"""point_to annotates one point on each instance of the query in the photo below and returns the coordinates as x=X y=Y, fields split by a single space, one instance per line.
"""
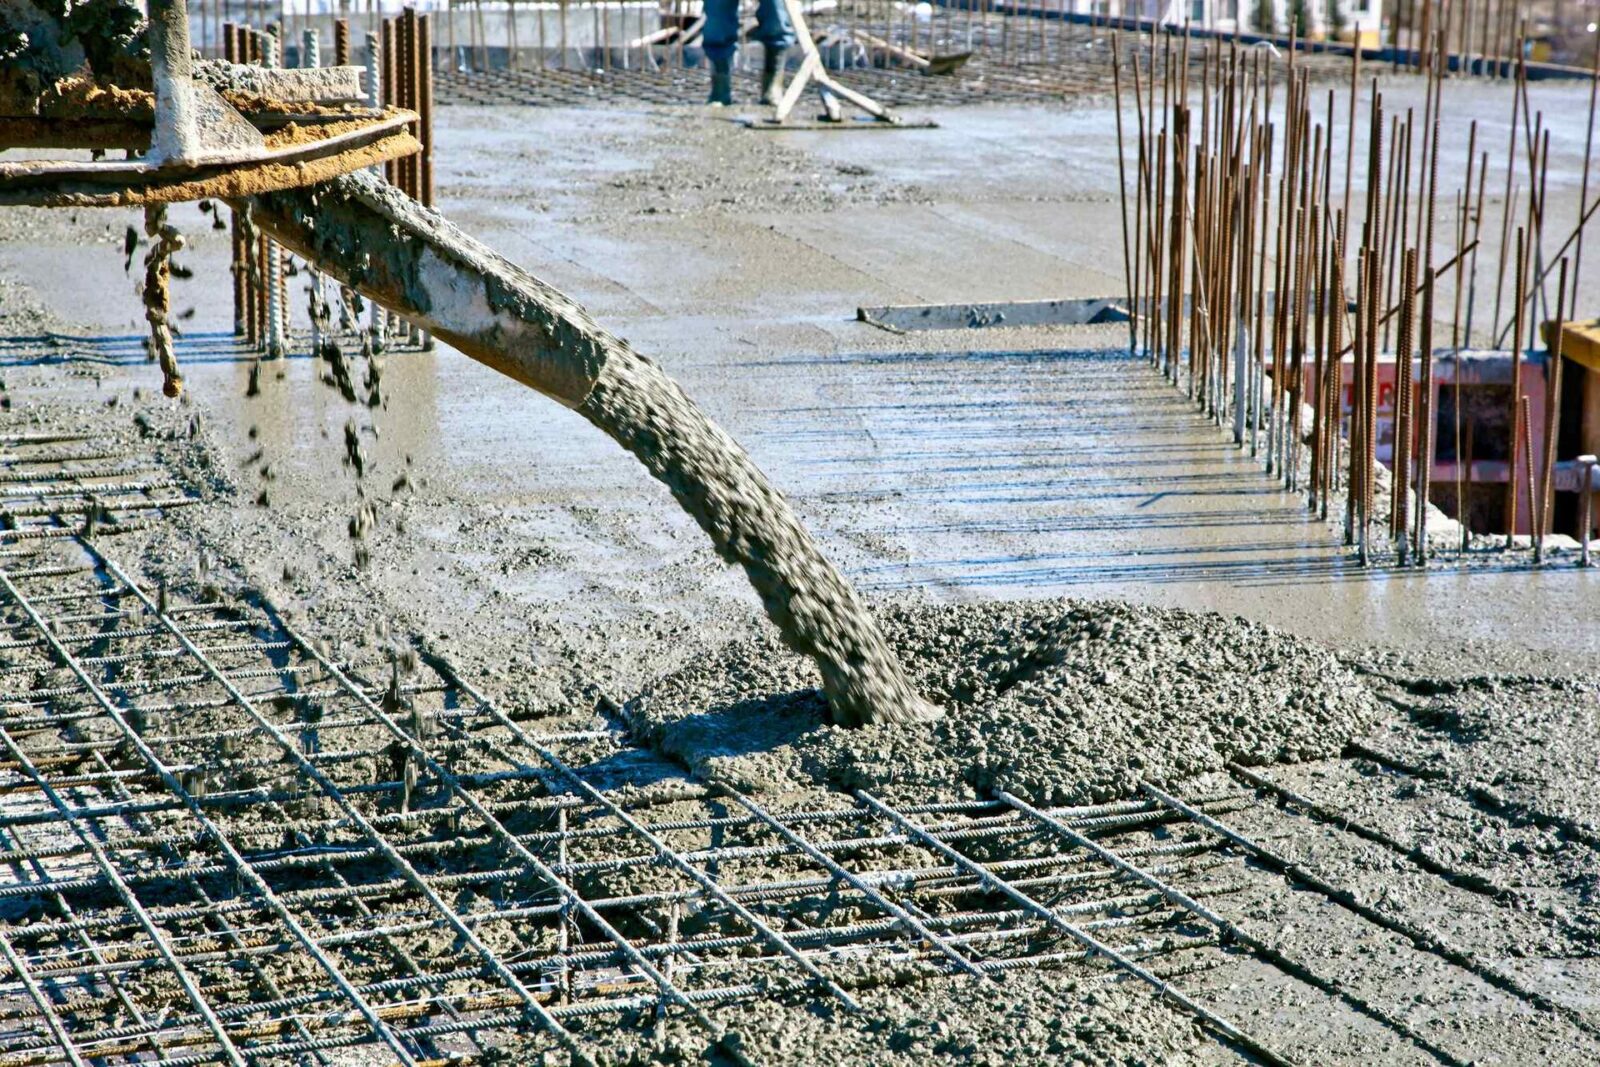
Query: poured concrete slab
x=1030 y=464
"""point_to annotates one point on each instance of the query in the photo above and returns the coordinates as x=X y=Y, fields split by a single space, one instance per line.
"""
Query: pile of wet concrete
x=1061 y=701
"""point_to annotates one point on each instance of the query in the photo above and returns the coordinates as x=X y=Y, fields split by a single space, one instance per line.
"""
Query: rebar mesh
x=222 y=842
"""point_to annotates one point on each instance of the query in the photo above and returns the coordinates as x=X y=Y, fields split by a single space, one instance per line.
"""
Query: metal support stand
x=811 y=69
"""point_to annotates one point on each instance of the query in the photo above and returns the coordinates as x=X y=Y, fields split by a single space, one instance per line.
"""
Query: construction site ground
x=1441 y=904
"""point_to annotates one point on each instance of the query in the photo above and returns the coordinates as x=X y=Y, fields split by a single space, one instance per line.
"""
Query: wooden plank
x=1580 y=342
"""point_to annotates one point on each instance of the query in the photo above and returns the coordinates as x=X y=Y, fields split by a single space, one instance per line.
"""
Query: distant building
x=1340 y=19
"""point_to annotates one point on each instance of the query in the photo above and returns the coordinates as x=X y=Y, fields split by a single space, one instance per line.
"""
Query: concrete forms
x=1485 y=379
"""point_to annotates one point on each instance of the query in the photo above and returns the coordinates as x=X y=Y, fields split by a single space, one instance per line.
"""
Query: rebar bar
x=1425 y=940
x=1090 y=943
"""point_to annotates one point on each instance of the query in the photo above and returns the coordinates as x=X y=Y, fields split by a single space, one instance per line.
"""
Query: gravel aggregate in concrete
x=1063 y=701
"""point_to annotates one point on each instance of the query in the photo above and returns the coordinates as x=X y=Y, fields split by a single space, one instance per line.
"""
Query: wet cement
x=418 y=264
x=713 y=479
x=1015 y=463
x=1049 y=1018
x=1522 y=744
x=552 y=568
x=1063 y=702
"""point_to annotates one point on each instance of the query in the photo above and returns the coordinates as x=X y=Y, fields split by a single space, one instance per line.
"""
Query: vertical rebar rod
x=1141 y=193
x=1526 y=413
x=311 y=57
x=1321 y=426
x=1358 y=386
x=1258 y=368
x=387 y=83
x=1426 y=406
x=1552 y=417
x=1177 y=255
x=1586 y=492
x=1349 y=150
x=263 y=287
x=1305 y=261
x=1122 y=194
x=1241 y=333
x=1537 y=297
x=1457 y=339
x=1505 y=225
x=1516 y=391
x=425 y=106
x=401 y=40
x=1392 y=237
x=1156 y=157
x=230 y=53
x=378 y=91
x=1400 y=461
x=276 y=312
x=1369 y=446
x=1588 y=156
x=1335 y=373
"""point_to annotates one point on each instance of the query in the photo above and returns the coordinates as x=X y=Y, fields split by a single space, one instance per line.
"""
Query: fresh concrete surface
x=999 y=464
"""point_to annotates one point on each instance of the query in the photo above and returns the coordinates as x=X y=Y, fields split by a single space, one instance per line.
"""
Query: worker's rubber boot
x=771 y=75
x=721 y=83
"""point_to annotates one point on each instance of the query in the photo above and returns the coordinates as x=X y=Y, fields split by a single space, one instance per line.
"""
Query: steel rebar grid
x=131 y=902
x=991 y=965
x=403 y=866
x=933 y=881
x=1422 y=939
x=1077 y=933
x=911 y=922
x=978 y=827
x=706 y=882
x=825 y=936
x=170 y=779
x=52 y=1020
x=530 y=861
x=60 y=901
x=61 y=905
x=227 y=932
x=1231 y=931
x=214 y=946
x=13 y=589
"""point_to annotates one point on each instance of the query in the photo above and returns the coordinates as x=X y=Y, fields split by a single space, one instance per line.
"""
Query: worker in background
x=722 y=40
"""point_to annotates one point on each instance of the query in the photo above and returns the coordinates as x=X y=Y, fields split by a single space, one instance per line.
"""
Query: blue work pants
x=721 y=35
